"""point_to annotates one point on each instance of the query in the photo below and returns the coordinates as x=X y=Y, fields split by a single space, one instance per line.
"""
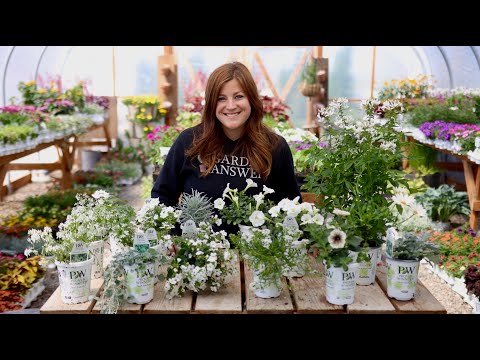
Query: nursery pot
x=245 y=229
x=95 y=249
x=74 y=280
x=140 y=283
x=367 y=270
x=340 y=284
x=160 y=249
x=266 y=288
x=89 y=159
x=402 y=276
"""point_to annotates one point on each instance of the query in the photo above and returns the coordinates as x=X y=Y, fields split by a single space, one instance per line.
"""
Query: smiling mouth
x=231 y=114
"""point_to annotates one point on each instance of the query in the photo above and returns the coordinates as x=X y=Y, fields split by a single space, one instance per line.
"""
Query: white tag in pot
x=140 y=242
x=392 y=236
x=290 y=223
x=189 y=229
x=151 y=236
x=79 y=252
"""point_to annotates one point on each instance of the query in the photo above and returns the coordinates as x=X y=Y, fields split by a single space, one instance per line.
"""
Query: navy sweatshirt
x=180 y=174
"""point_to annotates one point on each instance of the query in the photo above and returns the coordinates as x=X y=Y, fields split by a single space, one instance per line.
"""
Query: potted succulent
x=403 y=265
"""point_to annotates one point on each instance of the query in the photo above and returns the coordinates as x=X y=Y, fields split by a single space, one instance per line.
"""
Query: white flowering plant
x=204 y=262
x=336 y=239
x=409 y=215
x=269 y=252
x=158 y=216
x=91 y=219
x=242 y=208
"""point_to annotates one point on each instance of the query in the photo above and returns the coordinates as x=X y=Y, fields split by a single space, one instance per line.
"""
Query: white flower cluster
x=158 y=216
x=205 y=262
x=413 y=216
x=297 y=134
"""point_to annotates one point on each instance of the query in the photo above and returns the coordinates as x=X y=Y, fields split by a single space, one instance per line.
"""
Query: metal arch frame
x=420 y=58
x=447 y=64
x=5 y=73
x=477 y=57
x=65 y=61
x=40 y=61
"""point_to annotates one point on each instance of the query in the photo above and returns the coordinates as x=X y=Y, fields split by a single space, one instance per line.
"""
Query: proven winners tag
x=151 y=236
x=189 y=230
x=79 y=252
x=392 y=237
x=140 y=242
x=290 y=223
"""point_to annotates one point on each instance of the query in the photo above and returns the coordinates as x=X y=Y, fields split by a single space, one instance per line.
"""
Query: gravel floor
x=12 y=204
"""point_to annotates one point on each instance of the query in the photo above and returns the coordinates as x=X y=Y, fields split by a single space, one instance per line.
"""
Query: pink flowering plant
x=162 y=136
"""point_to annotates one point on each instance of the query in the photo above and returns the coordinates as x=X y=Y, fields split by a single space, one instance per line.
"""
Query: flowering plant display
x=243 y=208
x=274 y=108
x=459 y=248
x=417 y=87
x=195 y=93
x=158 y=216
x=356 y=171
x=102 y=101
x=408 y=214
x=203 y=262
x=188 y=119
x=334 y=239
x=270 y=252
x=163 y=136
x=144 y=108
x=472 y=280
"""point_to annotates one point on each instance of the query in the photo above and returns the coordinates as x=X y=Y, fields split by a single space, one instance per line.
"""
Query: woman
x=230 y=145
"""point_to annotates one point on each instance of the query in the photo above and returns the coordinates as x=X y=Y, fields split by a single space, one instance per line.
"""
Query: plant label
x=392 y=237
x=79 y=252
x=290 y=223
x=151 y=236
x=189 y=230
x=140 y=242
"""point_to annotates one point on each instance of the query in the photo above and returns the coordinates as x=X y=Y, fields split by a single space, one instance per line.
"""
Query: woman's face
x=233 y=109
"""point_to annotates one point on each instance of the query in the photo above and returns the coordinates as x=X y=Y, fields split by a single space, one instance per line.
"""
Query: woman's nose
x=231 y=104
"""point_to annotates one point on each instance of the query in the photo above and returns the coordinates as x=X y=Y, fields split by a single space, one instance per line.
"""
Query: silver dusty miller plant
x=195 y=206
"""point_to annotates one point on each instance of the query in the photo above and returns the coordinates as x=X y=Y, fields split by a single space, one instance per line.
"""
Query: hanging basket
x=310 y=89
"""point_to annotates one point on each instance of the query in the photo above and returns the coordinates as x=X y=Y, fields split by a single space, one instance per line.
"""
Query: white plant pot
x=96 y=250
x=341 y=284
x=402 y=277
x=266 y=289
x=300 y=268
x=367 y=270
x=476 y=306
x=140 y=284
x=164 y=150
x=74 y=280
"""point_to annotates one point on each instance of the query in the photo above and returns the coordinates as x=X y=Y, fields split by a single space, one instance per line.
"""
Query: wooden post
x=167 y=80
x=472 y=180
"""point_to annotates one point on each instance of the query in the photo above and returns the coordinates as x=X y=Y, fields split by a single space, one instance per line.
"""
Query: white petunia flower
x=219 y=204
x=337 y=238
x=257 y=218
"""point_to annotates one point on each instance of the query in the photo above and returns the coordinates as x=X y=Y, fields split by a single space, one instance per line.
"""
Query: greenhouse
x=239 y=179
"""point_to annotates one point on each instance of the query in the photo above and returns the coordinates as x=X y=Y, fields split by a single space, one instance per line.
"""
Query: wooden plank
x=264 y=72
x=55 y=305
x=309 y=292
x=311 y=198
x=161 y=305
x=279 y=305
x=33 y=166
x=423 y=303
x=16 y=184
x=227 y=300
x=370 y=299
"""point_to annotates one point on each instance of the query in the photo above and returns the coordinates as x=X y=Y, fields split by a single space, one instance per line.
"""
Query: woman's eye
x=239 y=96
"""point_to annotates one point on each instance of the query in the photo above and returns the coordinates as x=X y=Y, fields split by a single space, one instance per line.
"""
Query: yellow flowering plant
x=144 y=108
x=405 y=88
